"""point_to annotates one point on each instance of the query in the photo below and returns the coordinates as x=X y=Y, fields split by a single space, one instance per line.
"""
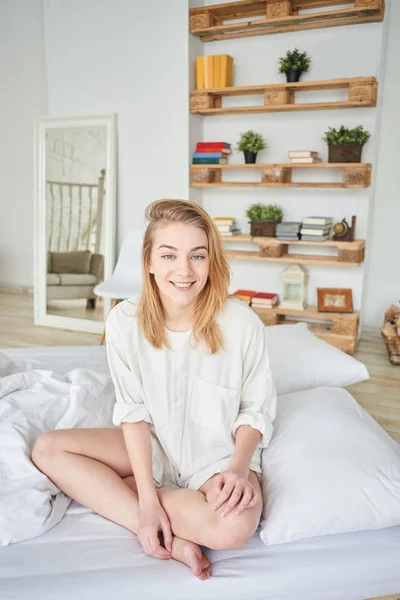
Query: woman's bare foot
x=190 y=554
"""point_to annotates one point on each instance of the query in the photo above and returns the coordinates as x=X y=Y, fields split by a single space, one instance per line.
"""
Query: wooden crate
x=362 y=92
x=355 y=175
x=338 y=329
x=391 y=334
x=350 y=254
x=217 y=22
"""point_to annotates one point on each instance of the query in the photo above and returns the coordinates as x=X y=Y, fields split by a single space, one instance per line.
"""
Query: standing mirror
x=75 y=207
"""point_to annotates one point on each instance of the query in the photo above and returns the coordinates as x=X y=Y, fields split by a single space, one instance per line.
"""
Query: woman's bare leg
x=108 y=489
x=89 y=465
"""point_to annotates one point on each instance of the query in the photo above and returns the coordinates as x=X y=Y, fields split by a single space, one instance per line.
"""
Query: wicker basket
x=344 y=153
x=263 y=228
x=392 y=341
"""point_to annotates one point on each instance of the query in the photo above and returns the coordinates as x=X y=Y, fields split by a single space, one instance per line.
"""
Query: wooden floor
x=380 y=396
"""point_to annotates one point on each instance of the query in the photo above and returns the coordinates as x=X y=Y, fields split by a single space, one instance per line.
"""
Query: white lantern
x=294 y=287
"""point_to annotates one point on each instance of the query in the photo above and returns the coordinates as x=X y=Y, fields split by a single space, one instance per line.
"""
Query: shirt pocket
x=213 y=406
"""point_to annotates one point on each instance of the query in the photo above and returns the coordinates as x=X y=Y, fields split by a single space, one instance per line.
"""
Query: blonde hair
x=211 y=298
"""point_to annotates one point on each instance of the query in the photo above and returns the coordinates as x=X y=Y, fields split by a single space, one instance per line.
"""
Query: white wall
x=23 y=96
x=137 y=60
x=382 y=286
x=129 y=58
x=336 y=52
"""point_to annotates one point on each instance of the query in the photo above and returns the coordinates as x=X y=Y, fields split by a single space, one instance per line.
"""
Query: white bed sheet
x=86 y=557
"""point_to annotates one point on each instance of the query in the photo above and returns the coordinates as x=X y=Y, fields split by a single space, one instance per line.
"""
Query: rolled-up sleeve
x=258 y=395
x=130 y=405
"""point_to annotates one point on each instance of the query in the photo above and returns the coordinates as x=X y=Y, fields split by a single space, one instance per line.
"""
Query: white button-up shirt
x=193 y=401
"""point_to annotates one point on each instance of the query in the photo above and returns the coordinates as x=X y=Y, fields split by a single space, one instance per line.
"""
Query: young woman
x=194 y=403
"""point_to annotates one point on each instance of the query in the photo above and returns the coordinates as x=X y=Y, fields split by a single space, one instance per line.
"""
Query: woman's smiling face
x=180 y=262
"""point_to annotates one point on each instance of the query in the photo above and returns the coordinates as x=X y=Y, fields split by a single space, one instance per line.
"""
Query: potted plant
x=294 y=63
x=263 y=219
x=250 y=144
x=345 y=145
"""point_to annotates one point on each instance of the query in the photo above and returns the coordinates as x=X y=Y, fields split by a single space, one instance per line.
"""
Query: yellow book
x=200 y=72
x=226 y=70
x=208 y=71
x=217 y=71
x=229 y=82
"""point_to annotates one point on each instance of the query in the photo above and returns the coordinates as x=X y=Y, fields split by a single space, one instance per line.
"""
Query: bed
x=85 y=556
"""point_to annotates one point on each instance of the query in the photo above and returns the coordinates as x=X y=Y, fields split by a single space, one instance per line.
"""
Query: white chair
x=126 y=280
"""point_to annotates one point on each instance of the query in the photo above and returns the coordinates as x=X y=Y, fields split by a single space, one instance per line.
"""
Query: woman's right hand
x=152 y=520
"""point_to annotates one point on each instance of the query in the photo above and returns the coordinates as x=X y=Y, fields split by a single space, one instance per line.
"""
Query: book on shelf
x=200 y=72
x=231 y=232
x=245 y=294
x=263 y=305
x=301 y=161
x=224 y=151
x=316 y=232
x=224 y=220
x=314 y=238
x=265 y=297
x=209 y=161
x=311 y=226
x=287 y=237
x=317 y=220
x=303 y=154
x=214 y=71
x=208 y=72
x=225 y=228
x=218 y=145
x=288 y=227
x=208 y=155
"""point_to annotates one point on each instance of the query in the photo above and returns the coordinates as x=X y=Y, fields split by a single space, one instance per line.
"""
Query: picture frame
x=335 y=300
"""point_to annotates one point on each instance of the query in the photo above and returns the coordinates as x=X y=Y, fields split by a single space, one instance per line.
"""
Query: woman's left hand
x=234 y=485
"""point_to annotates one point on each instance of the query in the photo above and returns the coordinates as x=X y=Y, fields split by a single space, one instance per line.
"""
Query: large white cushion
x=330 y=468
x=301 y=361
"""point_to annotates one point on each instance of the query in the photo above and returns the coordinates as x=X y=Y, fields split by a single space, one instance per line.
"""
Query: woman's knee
x=45 y=446
x=232 y=531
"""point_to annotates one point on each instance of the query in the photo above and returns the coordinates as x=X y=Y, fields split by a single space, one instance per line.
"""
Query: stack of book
x=288 y=230
x=226 y=225
x=316 y=229
x=264 y=300
x=214 y=71
x=245 y=295
x=303 y=156
x=211 y=153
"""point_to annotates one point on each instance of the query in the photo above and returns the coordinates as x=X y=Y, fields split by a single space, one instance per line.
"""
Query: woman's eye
x=197 y=256
x=168 y=256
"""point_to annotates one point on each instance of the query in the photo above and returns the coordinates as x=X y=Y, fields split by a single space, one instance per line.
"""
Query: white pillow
x=330 y=468
x=301 y=361
x=7 y=366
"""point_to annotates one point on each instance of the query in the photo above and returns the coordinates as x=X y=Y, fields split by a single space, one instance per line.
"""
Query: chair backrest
x=129 y=263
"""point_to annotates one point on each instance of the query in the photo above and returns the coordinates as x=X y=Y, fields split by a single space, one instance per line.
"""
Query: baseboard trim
x=8 y=288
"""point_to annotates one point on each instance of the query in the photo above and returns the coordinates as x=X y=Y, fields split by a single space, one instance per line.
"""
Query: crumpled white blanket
x=31 y=403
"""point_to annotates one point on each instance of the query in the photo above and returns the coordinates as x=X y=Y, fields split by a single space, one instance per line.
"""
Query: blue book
x=209 y=155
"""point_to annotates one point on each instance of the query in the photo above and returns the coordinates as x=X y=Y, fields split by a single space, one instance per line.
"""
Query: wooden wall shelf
x=281 y=96
x=355 y=175
x=350 y=254
x=211 y=22
x=338 y=329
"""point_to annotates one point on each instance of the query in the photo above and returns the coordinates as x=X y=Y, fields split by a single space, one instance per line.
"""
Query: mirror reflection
x=76 y=159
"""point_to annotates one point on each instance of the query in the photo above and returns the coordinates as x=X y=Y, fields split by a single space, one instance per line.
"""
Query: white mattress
x=86 y=557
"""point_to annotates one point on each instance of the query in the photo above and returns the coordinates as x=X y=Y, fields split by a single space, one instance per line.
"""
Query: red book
x=212 y=145
x=211 y=149
x=264 y=295
x=245 y=294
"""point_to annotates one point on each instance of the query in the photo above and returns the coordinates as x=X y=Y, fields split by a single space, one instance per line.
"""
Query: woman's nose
x=183 y=266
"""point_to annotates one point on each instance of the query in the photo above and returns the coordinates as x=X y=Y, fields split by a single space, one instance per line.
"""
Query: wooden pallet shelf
x=350 y=254
x=278 y=16
x=281 y=96
x=338 y=329
x=355 y=175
